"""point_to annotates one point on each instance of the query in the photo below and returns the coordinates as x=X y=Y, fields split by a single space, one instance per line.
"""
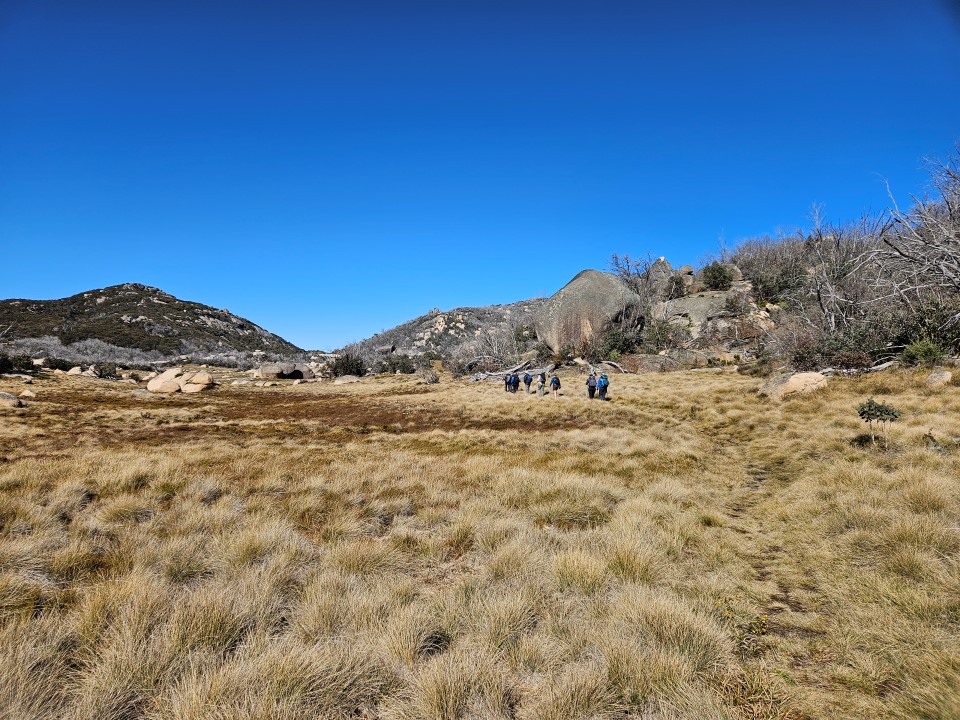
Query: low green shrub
x=717 y=276
x=348 y=364
x=393 y=364
x=922 y=352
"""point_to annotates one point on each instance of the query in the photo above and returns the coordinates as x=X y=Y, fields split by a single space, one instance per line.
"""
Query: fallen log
x=611 y=363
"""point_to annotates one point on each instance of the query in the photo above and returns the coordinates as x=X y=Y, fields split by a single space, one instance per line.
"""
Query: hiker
x=527 y=379
x=555 y=385
x=591 y=384
x=541 y=384
x=602 y=384
x=506 y=382
x=516 y=383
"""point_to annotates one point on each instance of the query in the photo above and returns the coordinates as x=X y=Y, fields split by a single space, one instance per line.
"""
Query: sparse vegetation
x=348 y=363
x=482 y=555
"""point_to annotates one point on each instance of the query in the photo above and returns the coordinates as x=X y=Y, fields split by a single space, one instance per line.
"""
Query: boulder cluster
x=284 y=371
x=176 y=379
x=595 y=302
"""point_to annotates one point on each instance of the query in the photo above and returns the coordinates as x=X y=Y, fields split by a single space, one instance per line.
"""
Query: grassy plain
x=399 y=551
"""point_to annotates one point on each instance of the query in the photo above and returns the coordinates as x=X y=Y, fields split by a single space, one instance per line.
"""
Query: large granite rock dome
x=585 y=307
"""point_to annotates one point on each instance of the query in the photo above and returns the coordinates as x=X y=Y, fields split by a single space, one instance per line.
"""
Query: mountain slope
x=137 y=316
x=455 y=330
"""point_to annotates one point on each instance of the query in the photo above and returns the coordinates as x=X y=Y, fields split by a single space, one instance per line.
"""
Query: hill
x=461 y=331
x=135 y=316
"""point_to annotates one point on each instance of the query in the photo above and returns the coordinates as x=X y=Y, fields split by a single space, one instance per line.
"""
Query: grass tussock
x=688 y=550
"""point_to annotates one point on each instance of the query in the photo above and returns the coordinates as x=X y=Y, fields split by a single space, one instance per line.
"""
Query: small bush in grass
x=348 y=364
x=52 y=363
x=922 y=352
x=879 y=415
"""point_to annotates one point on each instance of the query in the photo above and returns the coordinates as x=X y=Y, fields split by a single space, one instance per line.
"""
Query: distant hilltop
x=133 y=320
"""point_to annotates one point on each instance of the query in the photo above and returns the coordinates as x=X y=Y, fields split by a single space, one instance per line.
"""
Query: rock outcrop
x=939 y=378
x=590 y=304
x=716 y=318
x=782 y=386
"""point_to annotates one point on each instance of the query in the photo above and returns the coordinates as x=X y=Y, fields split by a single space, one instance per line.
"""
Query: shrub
x=348 y=364
x=676 y=288
x=15 y=363
x=717 y=276
x=428 y=376
x=396 y=364
x=851 y=360
x=611 y=344
x=57 y=364
x=663 y=335
x=922 y=352
x=106 y=370
x=874 y=413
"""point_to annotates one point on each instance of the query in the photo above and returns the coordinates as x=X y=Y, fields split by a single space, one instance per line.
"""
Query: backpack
x=555 y=382
x=527 y=379
x=602 y=382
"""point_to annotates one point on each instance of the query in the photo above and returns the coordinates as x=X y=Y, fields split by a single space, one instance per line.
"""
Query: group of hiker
x=596 y=386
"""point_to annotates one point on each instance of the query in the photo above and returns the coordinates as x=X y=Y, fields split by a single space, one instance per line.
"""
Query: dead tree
x=921 y=250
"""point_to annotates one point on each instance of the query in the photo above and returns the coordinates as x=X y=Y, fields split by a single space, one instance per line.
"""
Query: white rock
x=781 y=386
x=345 y=379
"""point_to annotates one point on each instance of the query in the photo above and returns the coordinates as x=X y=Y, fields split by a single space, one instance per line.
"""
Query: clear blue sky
x=330 y=169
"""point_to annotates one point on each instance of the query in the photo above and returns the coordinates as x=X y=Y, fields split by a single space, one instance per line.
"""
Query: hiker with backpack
x=515 y=384
x=591 y=384
x=602 y=385
x=541 y=384
x=555 y=385
x=527 y=379
x=506 y=382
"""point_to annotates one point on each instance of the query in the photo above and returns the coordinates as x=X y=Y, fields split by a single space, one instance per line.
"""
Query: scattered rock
x=782 y=386
x=10 y=401
x=242 y=381
x=939 y=378
x=193 y=387
x=77 y=370
x=164 y=386
x=28 y=394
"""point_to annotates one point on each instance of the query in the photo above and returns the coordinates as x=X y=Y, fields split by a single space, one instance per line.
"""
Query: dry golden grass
x=398 y=551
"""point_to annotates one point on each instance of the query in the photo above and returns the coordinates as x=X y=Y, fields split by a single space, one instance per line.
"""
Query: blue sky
x=329 y=170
